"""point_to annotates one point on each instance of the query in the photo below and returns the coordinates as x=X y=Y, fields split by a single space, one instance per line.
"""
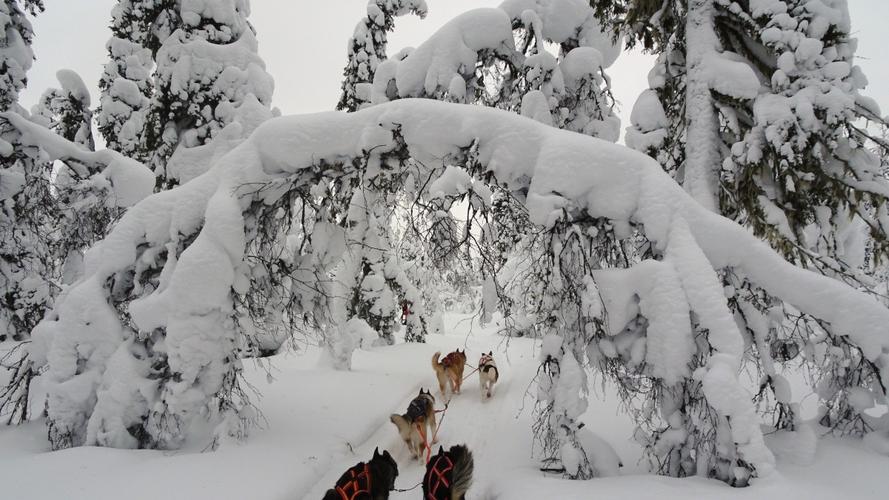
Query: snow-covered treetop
x=66 y=110
x=481 y=45
x=367 y=48
x=16 y=56
x=570 y=23
x=207 y=70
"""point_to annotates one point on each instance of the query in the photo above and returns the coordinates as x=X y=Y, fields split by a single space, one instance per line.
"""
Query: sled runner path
x=472 y=422
x=383 y=436
x=469 y=420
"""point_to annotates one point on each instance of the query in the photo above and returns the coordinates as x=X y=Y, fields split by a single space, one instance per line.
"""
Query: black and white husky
x=487 y=374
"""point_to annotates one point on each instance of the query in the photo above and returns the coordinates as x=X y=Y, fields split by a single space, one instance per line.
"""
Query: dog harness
x=450 y=359
x=485 y=360
x=438 y=475
x=417 y=408
x=354 y=484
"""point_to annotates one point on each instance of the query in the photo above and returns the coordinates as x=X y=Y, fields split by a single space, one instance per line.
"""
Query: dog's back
x=343 y=481
x=418 y=408
x=449 y=474
x=490 y=371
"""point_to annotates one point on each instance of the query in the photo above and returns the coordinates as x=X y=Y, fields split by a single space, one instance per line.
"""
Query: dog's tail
x=436 y=365
x=461 y=478
x=400 y=422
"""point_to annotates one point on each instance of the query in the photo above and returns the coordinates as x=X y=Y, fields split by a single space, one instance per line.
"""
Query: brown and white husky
x=417 y=425
x=487 y=374
x=449 y=370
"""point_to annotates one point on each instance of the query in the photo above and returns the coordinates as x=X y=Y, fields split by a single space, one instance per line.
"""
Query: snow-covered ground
x=320 y=422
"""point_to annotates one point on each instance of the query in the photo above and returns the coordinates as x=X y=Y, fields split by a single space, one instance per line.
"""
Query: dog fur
x=459 y=477
x=382 y=469
x=449 y=371
x=487 y=374
x=418 y=419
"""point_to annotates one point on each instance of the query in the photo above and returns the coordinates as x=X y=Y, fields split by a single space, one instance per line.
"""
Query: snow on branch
x=131 y=181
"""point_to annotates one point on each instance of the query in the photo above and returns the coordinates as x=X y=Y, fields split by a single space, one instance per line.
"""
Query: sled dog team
x=448 y=473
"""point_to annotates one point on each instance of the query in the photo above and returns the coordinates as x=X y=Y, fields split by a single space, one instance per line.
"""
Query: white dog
x=487 y=374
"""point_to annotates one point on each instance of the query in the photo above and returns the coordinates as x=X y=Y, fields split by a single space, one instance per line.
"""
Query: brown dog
x=449 y=370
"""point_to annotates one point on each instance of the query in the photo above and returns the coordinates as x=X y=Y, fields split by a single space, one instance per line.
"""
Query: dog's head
x=461 y=355
x=426 y=394
x=386 y=464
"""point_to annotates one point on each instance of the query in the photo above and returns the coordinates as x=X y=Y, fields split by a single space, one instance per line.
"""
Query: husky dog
x=487 y=374
x=412 y=426
x=448 y=474
x=366 y=481
x=449 y=370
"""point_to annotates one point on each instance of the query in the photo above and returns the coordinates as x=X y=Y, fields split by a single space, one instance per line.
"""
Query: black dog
x=448 y=474
x=366 y=481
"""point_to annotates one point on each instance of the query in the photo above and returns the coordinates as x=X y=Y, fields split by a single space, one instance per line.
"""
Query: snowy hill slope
x=319 y=422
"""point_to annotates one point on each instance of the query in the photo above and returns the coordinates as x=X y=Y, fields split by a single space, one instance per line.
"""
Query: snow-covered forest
x=204 y=296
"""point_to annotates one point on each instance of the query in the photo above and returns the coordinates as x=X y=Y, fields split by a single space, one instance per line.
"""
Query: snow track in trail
x=383 y=436
x=488 y=427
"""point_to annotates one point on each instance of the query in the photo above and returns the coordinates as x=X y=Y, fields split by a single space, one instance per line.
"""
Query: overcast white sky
x=303 y=43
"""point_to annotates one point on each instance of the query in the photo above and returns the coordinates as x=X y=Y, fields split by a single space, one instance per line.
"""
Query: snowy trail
x=322 y=421
x=486 y=427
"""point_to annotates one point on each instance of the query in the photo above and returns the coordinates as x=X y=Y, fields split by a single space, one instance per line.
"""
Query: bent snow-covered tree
x=567 y=177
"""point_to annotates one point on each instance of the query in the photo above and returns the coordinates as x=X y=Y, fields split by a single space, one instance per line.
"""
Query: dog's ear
x=376 y=452
x=490 y=353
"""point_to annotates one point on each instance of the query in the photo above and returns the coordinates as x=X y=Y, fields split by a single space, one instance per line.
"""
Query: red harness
x=439 y=476
x=354 y=484
x=447 y=360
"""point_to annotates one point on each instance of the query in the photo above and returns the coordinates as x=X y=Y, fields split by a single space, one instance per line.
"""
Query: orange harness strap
x=439 y=476
x=421 y=428
x=354 y=484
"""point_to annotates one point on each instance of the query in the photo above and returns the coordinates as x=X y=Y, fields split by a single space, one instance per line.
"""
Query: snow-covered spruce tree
x=24 y=194
x=205 y=69
x=367 y=47
x=152 y=377
x=66 y=110
x=138 y=27
x=367 y=275
x=775 y=85
x=15 y=48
